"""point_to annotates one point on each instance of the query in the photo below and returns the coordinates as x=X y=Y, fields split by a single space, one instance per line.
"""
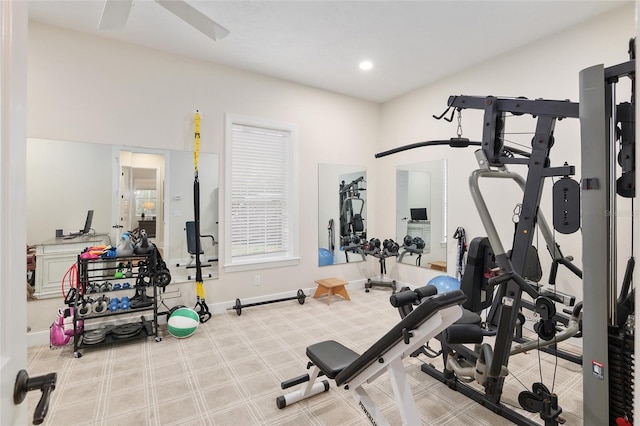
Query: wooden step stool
x=331 y=286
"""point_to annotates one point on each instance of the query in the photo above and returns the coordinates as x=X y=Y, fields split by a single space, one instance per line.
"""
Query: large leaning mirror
x=421 y=214
x=342 y=213
x=81 y=194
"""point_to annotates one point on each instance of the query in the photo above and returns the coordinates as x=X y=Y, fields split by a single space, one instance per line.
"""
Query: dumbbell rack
x=92 y=273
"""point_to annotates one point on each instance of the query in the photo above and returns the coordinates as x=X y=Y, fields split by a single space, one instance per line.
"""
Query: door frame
x=13 y=225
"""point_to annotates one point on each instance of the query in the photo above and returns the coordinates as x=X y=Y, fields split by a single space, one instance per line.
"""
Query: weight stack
x=621 y=371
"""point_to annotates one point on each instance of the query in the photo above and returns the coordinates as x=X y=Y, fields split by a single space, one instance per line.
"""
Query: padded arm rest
x=412 y=321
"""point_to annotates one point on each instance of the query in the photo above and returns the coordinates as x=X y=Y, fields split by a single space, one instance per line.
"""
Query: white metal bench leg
x=307 y=390
x=403 y=394
x=366 y=404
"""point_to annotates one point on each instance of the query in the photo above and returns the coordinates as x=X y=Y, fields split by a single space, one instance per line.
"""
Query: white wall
x=547 y=69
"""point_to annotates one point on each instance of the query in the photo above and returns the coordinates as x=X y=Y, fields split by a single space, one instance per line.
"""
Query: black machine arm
x=453 y=143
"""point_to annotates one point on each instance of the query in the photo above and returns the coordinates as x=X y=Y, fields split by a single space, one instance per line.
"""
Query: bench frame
x=378 y=360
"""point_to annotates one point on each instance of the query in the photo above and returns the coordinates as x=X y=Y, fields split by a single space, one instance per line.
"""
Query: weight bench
x=352 y=370
x=190 y=228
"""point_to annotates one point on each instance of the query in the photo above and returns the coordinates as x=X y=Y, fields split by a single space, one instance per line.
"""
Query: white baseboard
x=37 y=338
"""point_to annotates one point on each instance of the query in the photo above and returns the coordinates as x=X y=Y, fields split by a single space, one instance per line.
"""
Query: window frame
x=261 y=261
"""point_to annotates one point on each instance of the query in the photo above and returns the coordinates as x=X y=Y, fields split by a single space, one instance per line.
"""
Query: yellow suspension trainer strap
x=201 y=307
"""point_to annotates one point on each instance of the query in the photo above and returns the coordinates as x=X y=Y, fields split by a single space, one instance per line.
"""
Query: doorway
x=141 y=186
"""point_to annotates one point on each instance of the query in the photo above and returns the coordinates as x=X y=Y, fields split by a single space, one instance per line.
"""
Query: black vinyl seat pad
x=331 y=357
x=415 y=319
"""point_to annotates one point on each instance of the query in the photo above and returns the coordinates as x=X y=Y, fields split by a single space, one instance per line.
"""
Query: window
x=261 y=210
x=145 y=202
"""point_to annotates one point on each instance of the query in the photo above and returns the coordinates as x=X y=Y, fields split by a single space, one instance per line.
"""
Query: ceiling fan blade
x=195 y=18
x=115 y=14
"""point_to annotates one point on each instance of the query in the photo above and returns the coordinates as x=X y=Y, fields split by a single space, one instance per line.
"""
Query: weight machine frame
x=598 y=125
x=493 y=159
x=350 y=192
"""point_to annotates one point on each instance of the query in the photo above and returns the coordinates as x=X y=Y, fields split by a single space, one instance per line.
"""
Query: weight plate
x=301 y=297
x=238 y=307
x=125 y=331
x=163 y=278
x=92 y=337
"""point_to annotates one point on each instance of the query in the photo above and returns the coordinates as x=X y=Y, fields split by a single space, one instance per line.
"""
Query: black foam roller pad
x=426 y=291
x=403 y=298
x=463 y=333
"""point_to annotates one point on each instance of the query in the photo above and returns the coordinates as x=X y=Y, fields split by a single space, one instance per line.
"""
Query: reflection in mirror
x=179 y=207
x=421 y=214
x=127 y=188
x=141 y=192
x=342 y=212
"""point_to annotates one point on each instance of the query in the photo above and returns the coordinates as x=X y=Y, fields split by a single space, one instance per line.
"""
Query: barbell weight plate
x=163 y=278
x=301 y=297
x=124 y=331
x=238 y=307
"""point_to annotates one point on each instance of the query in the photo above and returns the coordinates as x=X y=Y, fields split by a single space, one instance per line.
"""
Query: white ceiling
x=320 y=43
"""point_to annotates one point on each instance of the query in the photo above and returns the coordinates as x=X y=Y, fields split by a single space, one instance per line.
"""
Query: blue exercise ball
x=324 y=257
x=444 y=283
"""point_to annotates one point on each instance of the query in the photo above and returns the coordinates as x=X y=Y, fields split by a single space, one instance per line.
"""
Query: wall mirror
x=421 y=214
x=342 y=213
x=126 y=188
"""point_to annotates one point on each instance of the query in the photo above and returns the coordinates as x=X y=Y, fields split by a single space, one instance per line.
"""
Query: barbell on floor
x=238 y=306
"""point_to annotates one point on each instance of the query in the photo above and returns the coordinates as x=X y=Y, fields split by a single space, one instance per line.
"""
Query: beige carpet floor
x=229 y=373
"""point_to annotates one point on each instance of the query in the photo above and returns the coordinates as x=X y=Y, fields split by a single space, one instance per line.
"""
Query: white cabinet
x=53 y=260
x=421 y=229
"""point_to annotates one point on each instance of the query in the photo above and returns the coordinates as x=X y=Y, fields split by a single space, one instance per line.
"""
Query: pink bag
x=61 y=330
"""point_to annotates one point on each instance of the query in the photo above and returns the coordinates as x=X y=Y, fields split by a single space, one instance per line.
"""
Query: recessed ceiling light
x=366 y=65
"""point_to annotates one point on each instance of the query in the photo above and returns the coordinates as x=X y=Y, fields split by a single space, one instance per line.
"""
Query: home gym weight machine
x=599 y=117
x=493 y=158
x=353 y=233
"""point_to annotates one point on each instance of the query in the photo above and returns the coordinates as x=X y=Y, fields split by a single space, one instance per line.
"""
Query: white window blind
x=261 y=219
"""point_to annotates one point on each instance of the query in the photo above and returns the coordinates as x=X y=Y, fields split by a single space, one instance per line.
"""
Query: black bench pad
x=331 y=357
